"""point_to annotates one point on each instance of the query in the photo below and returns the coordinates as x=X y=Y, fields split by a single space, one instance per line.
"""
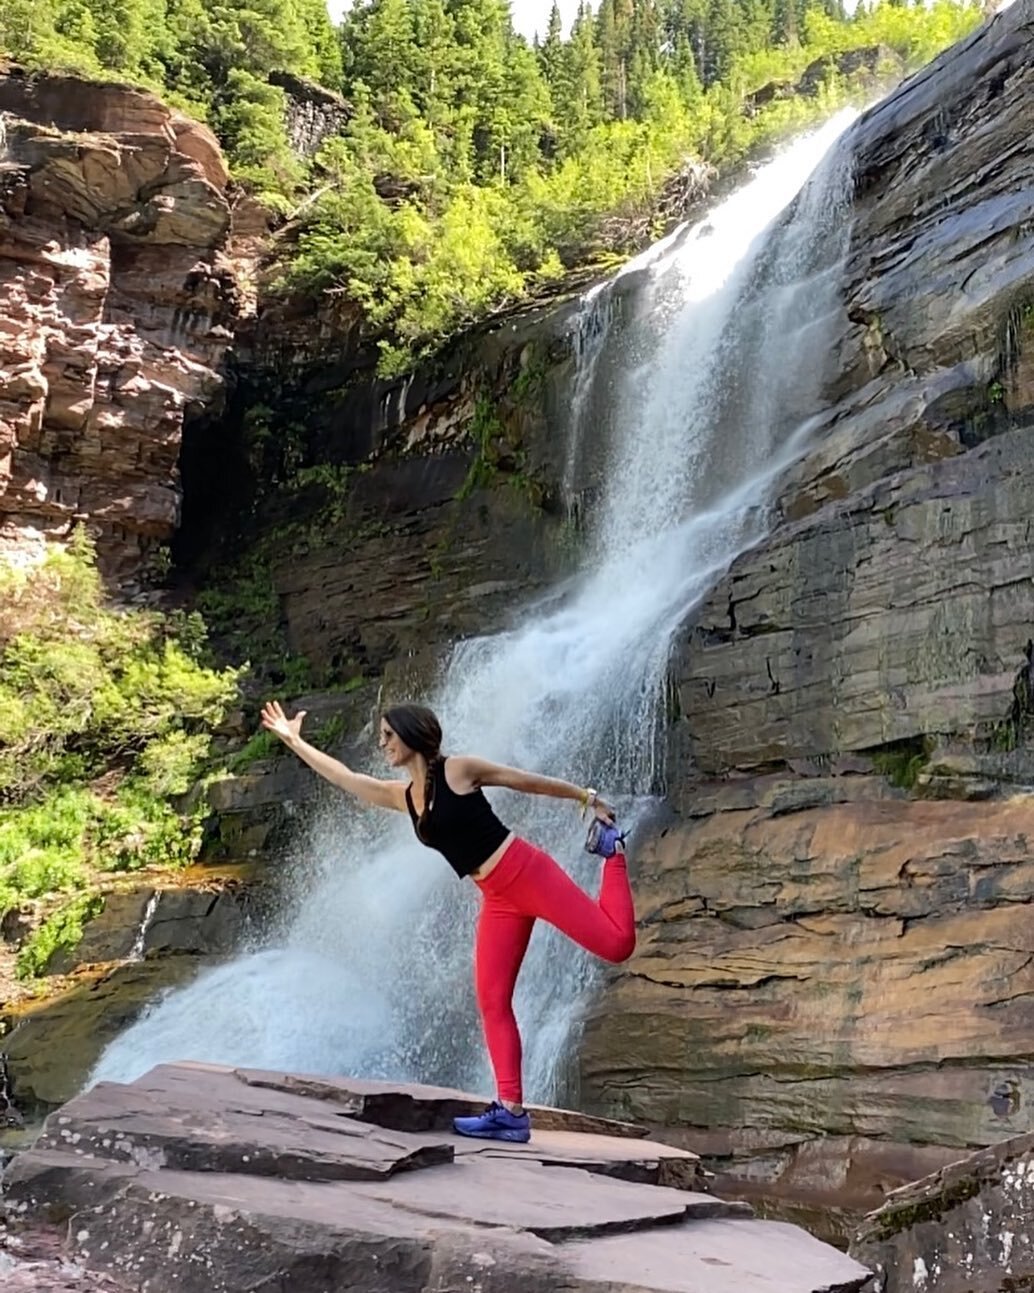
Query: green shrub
x=901 y=767
x=263 y=745
x=106 y=716
x=64 y=929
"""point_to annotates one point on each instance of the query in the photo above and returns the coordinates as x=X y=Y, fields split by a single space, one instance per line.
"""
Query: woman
x=518 y=882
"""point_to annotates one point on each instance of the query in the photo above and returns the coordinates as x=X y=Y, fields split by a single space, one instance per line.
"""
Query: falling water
x=136 y=952
x=594 y=386
x=714 y=391
x=589 y=330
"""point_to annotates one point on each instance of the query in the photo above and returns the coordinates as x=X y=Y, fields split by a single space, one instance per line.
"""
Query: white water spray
x=373 y=975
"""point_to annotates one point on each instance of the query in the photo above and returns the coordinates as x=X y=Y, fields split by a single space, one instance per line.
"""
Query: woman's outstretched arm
x=479 y=772
x=384 y=794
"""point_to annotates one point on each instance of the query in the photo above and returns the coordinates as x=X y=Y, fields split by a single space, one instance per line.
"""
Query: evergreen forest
x=477 y=166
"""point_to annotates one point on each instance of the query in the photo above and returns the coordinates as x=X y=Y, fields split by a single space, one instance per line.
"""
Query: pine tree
x=722 y=40
x=614 y=42
x=186 y=31
x=75 y=24
x=612 y=68
x=755 y=23
x=434 y=46
x=785 y=26
x=383 y=53
x=479 y=74
x=684 y=71
x=639 y=73
x=551 y=59
x=123 y=35
x=693 y=21
x=585 y=108
x=324 y=50
x=25 y=25
x=645 y=34
x=528 y=111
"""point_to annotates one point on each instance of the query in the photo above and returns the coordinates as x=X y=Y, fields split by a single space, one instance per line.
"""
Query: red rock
x=117 y=306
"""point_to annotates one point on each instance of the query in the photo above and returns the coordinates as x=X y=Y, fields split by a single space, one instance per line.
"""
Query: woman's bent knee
x=621 y=949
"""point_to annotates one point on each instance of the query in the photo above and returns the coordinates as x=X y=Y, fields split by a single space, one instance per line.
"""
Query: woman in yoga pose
x=519 y=884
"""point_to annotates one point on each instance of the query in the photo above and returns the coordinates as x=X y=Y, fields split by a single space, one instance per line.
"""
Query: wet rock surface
x=53 y=1046
x=156 y=931
x=902 y=611
x=964 y=1229
x=200 y=1177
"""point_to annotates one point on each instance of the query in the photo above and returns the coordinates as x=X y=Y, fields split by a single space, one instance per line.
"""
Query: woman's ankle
x=513 y=1106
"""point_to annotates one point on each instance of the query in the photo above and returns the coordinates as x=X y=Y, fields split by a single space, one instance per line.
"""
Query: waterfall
x=590 y=328
x=593 y=387
x=712 y=383
x=136 y=952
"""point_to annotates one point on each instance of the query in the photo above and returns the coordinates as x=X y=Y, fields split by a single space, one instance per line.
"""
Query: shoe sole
x=517 y=1137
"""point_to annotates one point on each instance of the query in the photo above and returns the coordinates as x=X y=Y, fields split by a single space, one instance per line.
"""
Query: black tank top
x=463 y=828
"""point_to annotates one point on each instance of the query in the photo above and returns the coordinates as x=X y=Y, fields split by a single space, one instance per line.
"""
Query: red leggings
x=526 y=885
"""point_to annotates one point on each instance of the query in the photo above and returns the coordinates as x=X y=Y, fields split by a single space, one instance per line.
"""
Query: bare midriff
x=492 y=861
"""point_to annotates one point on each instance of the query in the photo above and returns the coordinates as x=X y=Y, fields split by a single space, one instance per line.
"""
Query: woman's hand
x=603 y=810
x=276 y=721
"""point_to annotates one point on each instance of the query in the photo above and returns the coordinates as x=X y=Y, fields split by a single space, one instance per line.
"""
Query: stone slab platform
x=206 y=1179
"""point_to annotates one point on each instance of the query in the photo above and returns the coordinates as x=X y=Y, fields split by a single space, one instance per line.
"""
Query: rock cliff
x=833 y=973
x=117 y=307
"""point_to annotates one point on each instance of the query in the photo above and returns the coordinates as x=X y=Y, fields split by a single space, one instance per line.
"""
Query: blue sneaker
x=496 y=1123
x=603 y=838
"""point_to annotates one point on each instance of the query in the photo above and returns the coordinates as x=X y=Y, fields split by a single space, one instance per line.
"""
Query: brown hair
x=419 y=728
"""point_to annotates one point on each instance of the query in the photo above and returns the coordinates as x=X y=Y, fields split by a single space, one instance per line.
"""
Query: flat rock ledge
x=200 y=1178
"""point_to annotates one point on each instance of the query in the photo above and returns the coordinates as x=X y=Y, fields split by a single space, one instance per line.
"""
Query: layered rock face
x=833 y=974
x=433 y=504
x=831 y=992
x=116 y=309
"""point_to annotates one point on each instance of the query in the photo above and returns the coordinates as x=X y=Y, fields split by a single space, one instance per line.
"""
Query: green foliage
x=137 y=830
x=82 y=685
x=901 y=766
x=263 y=745
x=40 y=847
x=105 y=715
x=62 y=930
x=475 y=166
x=485 y=430
x=508 y=172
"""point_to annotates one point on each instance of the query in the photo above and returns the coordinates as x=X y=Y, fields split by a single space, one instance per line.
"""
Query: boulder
x=964 y=1229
